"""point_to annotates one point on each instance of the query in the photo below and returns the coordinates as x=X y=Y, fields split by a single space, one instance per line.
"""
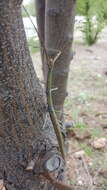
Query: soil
x=87 y=107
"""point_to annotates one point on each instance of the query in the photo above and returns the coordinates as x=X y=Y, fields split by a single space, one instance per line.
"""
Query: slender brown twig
x=41 y=42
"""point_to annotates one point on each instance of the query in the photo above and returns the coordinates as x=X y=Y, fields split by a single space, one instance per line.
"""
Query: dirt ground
x=86 y=106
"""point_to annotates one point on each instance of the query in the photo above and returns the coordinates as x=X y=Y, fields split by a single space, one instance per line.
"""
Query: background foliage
x=94 y=13
x=98 y=5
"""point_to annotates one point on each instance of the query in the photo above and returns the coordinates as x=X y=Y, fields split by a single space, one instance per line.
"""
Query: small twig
x=62 y=112
x=56 y=57
x=31 y=20
x=45 y=121
x=89 y=176
x=41 y=42
x=102 y=113
x=97 y=173
x=53 y=89
x=59 y=185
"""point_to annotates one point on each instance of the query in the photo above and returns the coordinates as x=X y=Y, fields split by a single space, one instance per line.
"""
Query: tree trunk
x=59 y=25
x=25 y=128
x=59 y=17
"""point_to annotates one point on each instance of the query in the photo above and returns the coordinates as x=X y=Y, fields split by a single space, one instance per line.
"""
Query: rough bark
x=58 y=36
x=23 y=111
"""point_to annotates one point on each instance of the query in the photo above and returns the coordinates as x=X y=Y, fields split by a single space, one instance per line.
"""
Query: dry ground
x=86 y=105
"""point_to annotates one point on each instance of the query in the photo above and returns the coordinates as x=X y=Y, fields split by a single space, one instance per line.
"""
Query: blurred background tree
x=95 y=13
x=80 y=9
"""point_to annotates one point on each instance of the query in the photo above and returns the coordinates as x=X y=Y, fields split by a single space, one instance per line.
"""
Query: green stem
x=52 y=113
